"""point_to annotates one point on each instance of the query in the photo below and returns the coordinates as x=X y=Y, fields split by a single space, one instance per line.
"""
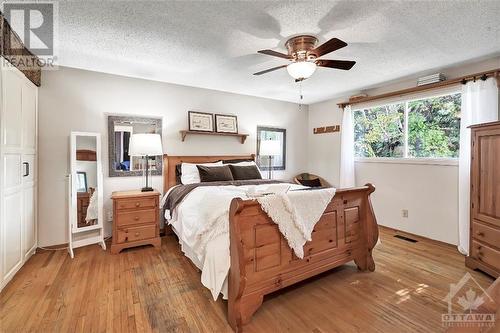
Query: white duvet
x=201 y=221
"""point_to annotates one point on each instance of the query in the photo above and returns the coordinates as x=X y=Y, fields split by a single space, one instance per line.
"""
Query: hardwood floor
x=141 y=290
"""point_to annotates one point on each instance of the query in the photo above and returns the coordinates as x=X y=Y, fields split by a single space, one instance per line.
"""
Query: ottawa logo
x=468 y=305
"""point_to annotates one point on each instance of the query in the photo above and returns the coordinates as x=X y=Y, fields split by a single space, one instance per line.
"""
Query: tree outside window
x=423 y=128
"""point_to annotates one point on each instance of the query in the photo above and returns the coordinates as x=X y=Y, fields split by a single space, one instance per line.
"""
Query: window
x=422 y=128
x=379 y=131
x=274 y=134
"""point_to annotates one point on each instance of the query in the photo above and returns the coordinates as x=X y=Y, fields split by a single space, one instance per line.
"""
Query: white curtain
x=479 y=105
x=347 y=176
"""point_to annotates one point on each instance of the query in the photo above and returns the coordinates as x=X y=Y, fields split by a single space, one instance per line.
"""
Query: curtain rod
x=463 y=80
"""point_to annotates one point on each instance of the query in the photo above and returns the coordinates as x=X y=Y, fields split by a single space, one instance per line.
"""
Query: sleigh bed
x=261 y=260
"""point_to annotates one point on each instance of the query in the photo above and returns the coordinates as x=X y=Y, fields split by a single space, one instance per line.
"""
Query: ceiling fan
x=303 y=54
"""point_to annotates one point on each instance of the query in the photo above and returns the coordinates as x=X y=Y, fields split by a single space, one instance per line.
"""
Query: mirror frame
x=73 y=181
x=157 y=122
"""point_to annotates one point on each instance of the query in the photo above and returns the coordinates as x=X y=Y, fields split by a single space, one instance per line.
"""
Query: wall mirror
x=120 y=129
x=86 y=190
x=278 y=161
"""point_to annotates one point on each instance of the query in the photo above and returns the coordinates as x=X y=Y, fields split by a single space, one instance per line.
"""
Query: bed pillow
x=235 y=161
x=190 y=174
x=248 y=163
x=310 y=182
x=214 y=173
x=245 y=172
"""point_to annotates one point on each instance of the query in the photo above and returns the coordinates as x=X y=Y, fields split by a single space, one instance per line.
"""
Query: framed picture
x=226 y=123
x=201 y=121
x=81 y=181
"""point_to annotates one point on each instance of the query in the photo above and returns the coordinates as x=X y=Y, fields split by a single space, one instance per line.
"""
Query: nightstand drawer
x=136 y=203
x=136 y=217
x=136 y=233
x=486 y=234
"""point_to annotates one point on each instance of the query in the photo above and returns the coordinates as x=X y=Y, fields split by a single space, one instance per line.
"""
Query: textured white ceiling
x=213 y=44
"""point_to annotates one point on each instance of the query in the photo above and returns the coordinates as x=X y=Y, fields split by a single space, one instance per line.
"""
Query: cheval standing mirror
x=85 y=192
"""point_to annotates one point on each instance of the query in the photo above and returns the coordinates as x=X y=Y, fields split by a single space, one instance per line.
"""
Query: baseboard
x=417 y=237
x=53 y=247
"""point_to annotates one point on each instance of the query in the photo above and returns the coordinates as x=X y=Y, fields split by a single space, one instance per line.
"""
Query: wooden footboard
x=262 y=261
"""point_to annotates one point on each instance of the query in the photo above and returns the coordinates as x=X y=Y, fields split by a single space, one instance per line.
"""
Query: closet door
x=11 y=183
x=485 y=175
x=12 y=212
x=29 y=114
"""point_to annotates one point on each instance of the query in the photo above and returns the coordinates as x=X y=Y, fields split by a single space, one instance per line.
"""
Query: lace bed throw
x=296 y=213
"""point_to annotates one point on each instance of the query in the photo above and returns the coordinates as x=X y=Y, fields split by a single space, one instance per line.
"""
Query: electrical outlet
x=110 y=216
x=404 y=212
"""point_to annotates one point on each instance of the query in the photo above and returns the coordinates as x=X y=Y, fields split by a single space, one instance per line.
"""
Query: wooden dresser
x=136 y=219
x=485 y=199
x=82 y=203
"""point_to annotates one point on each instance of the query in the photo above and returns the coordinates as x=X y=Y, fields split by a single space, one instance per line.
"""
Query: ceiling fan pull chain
x=300 y=95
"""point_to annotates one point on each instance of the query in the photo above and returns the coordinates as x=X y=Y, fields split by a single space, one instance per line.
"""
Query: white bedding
x=201 y=221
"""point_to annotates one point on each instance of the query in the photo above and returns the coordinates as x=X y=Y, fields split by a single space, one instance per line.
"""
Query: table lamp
x=270 y=148
x=145 y=145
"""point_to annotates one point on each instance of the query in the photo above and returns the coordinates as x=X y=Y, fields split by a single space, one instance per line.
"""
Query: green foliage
x=379 y=132
x=433 y=129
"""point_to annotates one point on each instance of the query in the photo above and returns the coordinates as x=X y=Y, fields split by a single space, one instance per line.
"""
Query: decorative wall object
x=120 y=129
x=200 y=121
x=274 y=134
x=226 y=123
x=326 y=129
x=17 y=54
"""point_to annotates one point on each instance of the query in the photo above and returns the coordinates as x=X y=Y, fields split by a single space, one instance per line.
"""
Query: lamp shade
x=270 y=148
x=301 y=69
x=145 y=145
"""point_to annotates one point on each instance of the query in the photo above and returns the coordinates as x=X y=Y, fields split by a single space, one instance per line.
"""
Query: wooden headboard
x=169 y=163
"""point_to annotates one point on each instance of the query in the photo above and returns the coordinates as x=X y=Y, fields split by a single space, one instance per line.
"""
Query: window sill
x=415 y=161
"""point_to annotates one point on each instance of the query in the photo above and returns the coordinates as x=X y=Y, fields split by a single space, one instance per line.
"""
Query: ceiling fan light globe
x=301 y=70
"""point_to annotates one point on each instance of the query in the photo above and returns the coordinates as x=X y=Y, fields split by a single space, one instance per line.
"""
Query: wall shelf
x=242 y=137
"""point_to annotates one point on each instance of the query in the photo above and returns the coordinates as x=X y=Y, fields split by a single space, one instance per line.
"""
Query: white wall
x=78 y=100
x=429 y=192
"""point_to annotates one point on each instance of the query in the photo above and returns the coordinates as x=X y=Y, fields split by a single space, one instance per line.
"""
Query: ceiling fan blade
x=329 y=46
x=269 y=70
x=338 y=64
x=275 y=54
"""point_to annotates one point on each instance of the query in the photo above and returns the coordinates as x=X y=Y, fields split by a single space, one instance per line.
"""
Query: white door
x=18 y=177
x=29 y=112
x=12 y=212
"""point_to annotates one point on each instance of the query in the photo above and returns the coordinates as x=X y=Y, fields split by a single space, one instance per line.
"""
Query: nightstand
x=136 y=219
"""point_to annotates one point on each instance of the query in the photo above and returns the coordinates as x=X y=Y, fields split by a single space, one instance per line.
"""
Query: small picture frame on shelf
x=225 y=123
x=201 y=121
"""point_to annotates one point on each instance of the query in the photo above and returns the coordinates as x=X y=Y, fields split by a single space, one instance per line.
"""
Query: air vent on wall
x=434 y=78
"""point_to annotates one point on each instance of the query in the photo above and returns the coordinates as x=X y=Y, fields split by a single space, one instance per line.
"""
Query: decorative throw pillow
x=245 y=172
x=214 y=173
x=190 y=174
x=236 y=161
x=311 y=182
x=247 y=163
